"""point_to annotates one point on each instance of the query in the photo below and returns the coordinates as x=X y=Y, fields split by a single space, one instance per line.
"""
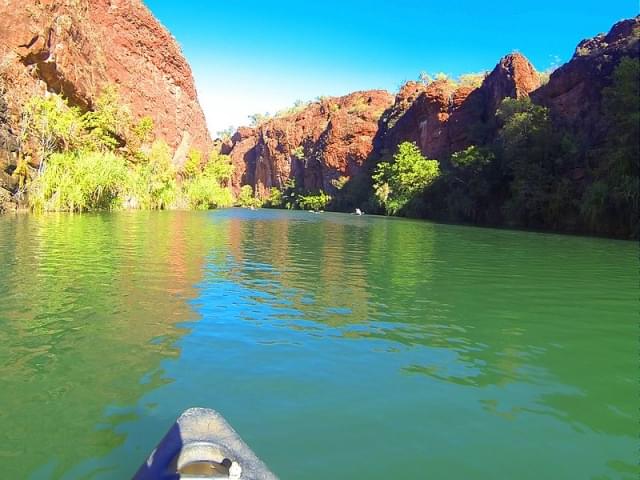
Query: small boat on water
x=202 y=445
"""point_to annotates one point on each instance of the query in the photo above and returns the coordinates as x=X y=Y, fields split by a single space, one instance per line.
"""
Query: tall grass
x=79 y=181
x=104 y=160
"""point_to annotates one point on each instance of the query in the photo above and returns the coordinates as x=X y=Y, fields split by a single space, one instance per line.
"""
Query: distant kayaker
x=359 y=212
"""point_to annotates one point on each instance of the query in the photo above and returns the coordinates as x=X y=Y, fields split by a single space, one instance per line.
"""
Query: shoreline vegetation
x=103 y=159
x=534 y=175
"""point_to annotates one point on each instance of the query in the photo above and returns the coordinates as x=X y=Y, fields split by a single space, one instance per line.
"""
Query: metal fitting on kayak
x=202 y=445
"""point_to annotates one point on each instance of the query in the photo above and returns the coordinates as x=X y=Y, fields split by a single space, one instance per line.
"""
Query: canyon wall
x=333 y=138
x=77 y=47
x=327 y=140
x=441 y=117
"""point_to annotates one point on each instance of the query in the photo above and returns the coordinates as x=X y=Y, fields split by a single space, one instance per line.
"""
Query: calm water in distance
x=338 y=346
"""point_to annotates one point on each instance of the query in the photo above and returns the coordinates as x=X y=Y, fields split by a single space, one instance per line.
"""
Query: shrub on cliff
x=247 y=199
x=315 y=202
x=397 y=183
x=210 y=188
x=50 y=124
x=109 y=124
x=258 y=119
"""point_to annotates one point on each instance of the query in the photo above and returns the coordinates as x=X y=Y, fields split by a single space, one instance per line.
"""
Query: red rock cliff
x=76 y=47
x=574 y=91
x=333 y=138
x=443 y=118
x=326 y=140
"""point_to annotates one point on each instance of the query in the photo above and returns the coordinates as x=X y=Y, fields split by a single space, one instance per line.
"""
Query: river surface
x=338 y=346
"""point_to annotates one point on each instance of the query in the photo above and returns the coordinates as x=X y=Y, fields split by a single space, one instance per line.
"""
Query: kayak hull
x=201 y=444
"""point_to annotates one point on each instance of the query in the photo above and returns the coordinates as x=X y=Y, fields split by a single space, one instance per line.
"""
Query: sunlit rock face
x=317 y=145
x=76 y=47
x=333 y=138
x=443 y=117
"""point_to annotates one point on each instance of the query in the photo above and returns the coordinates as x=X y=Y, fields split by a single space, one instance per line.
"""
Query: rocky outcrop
x=8 y=155
x=316 y=146
x=574 y=91
x=333 y=138
x=76 y=47
x=443 y=117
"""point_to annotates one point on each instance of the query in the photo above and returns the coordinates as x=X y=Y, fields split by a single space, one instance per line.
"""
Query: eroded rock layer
x=76 y=47
x=333 y=138
x=316 y=146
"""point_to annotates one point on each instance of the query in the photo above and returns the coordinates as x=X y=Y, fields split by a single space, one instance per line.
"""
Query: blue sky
x=261 y=56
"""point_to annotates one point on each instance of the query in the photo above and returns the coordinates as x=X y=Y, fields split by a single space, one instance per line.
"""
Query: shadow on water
x=391 y=347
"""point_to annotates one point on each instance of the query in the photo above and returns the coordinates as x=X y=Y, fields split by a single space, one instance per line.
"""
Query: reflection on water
x=89 y=308
x=338 y=346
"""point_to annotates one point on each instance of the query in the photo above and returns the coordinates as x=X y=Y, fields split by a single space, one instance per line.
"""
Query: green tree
x=52 y=124
x=193 y=165
x=139 y=135
x=315 y=202
x=246 y=198
x=226 y=134
x=109 y=123
x=397 y=183
x=471 y=182
x=219 y=167
x=275 y=199
x=152 y=182
x=258 y=119
x=611 y=202
x=527 y=143
x=210 y=188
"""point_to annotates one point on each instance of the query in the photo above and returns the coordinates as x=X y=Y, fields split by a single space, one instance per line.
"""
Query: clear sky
x=260 y=56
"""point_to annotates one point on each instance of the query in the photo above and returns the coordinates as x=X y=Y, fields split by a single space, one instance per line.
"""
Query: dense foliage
x=316 y=202
x=247 y=198
x=397 y=183
x=534 y=173
x=291 y=197
x=209 y=187
x=103 y=159
x=614 y=195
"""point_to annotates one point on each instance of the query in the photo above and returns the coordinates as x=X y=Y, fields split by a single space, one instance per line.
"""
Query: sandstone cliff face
x=76 y=47
x=574 y=91
x=338 y=135
x=327 y=140
x=443 y=118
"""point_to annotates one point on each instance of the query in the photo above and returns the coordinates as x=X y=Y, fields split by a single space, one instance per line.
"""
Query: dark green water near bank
x=338 y=346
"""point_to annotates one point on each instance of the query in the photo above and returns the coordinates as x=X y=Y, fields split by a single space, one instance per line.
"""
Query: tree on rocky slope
x=397 y=183
x=614 y=196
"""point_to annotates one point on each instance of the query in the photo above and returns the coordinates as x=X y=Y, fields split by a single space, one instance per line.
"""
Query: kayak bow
x=201 y=444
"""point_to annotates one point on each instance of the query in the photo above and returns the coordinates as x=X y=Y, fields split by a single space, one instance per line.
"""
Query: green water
x=338 y=346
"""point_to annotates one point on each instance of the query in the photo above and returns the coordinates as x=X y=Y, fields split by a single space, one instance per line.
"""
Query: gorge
x=433 y=278
x=333 y=145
